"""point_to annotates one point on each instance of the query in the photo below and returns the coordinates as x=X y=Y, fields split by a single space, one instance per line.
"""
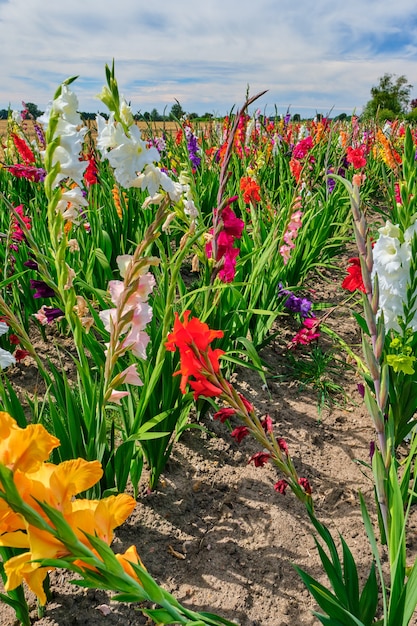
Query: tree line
x=390 y=99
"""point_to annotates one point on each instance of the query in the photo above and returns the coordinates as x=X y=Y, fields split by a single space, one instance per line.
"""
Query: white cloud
x=308 y=55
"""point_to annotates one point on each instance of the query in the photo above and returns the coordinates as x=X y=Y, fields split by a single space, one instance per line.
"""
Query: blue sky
x=310 y=56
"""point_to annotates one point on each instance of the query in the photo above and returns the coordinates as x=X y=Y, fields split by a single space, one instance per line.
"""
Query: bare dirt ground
x=216 y=534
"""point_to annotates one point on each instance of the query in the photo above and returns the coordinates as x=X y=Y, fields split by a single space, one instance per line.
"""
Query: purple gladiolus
x=193 y=148
x=31 y=264
x=295 y=304
x=42 y=290
x=52 y=314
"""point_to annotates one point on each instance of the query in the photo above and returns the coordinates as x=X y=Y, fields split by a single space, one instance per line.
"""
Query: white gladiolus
x=392 y=257
x=71 y=133
x=6 y=358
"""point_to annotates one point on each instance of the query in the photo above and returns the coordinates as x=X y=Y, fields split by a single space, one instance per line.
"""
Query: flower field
x=208 y=385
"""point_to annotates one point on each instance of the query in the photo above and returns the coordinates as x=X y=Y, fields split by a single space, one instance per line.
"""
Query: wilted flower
x=259 y=459
x=281 y=486
x=239 y=433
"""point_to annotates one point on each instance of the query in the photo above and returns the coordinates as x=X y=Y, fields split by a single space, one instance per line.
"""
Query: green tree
x=177 y=112
x=33 y=110
x=391 y=94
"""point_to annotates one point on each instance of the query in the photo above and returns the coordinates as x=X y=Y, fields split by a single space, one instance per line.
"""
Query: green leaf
x=159 y=616
x=361 y=322
x=375 y=551
x=351 y=578
x=327 y=601
x=410 y=601
x=368 y=603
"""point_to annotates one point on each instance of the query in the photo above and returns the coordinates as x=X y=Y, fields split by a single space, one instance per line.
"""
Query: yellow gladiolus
x=24 y=448
x=130 y=556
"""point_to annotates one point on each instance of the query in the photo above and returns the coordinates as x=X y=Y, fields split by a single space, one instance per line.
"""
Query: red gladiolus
x=250 y=189
x=295 y=168
x=239 y=433
x=307 y=333
x=30 y=172
x=281 y=486
x=356 y=157
x=91 y=173
x=303 y=482
x=283 y=445
x=191 y=333
x=197 y=358
x=23 y=149
x=260 y=458
x=19 y=354
x=354 y=279
x=224 y=414
x=203 y=387
x=266 y=424
x=248 y=406
x=17 y=233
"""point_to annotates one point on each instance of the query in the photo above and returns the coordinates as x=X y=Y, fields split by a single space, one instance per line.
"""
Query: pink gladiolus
x=116 y=396
x=285 y=252
x=130 y=376
x=307 y=333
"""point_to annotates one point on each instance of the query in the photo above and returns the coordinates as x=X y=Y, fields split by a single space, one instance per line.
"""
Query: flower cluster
x=25 y=453
x=126 y=151
x=295 y=304
x=230 y=228
x=250 y=189
x=129 y=317
x=291 y=232
x=356 y=156
x=307 y=333
x=132 y=307
x=392 y=258
x=192 y=147
x=17 y=235
x=300 y=152
x=30 y=172
x=64 y=123
x=199 y=361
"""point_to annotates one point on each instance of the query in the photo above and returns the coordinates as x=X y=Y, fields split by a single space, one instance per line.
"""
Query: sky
x=312 y=56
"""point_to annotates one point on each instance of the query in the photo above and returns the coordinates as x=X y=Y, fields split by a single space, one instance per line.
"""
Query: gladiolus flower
x=130 y=556
x=224 y=414
x=239 y=433
x=42 y=290
x=356 y=156
x=303 y=482
x=250 y=189
x=34 y=174
x=307 y=333
x=282 y=445
x=260 y=459
x=266 y=424
x=354 y=279
x=23 y=149
x=281 y=486
x=197 y=358
x=24 y=448
x=302 y=148
x=248 y=406
x=20 y=354
x=116 y=396
x=191 y=332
